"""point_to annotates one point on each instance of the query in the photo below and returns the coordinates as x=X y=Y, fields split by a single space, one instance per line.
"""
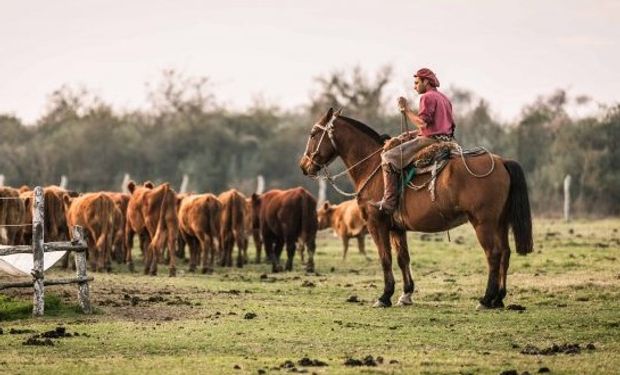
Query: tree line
x=186 y=131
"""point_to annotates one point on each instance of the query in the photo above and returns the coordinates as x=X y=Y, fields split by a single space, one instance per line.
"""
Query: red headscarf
x=428 y=74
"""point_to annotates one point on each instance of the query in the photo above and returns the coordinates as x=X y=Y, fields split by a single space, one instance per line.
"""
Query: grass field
x=247 y=320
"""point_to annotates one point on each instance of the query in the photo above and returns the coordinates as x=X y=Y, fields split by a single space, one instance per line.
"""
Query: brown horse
x=492 y=204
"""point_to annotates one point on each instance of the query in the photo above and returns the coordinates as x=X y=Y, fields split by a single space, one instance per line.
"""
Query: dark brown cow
x=199 y=225
x=346 y=221
x=96 y=213
x=119 y=249
x=56 y=228
x=286 y=216
x=12 y=212
x=232 y=227
x=153 y=210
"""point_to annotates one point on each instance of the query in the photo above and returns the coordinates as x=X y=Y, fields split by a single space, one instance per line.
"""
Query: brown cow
x=199 y=225
x=134 y=221
x=286 y=216
x=232 y=227
x=119 y=249
x=12 y=212
x=96 y=213
x=153 y=211
x=347 y=222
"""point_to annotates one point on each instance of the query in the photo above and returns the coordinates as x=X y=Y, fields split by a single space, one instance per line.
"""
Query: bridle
x=328 y=129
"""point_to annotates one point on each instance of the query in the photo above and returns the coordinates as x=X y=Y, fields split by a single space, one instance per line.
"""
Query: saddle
x=432 y=159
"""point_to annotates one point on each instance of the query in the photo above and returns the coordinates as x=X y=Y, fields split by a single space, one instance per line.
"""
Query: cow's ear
x=73 y=193
x=131 y=186
x=67 y=200
x=255 y=198
x=326 y=205
x=149 y=185
x=24 y=188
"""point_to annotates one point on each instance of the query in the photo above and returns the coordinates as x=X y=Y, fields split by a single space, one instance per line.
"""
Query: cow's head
x=324 y=215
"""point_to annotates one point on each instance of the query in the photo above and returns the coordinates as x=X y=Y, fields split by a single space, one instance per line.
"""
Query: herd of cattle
x=163 y=220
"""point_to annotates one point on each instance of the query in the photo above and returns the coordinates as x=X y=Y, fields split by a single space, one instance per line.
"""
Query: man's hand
x=402 y=104
x=391 y=143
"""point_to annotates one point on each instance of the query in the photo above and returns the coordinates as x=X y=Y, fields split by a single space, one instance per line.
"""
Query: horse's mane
x=363 y=128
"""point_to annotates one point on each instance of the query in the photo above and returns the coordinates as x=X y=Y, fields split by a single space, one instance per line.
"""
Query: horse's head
x=320 y=148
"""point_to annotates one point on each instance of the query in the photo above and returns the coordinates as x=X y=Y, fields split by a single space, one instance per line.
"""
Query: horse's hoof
x=132 y=268
x=482 y=307
x=172 y=272
x=405 y=300
x=380 y=304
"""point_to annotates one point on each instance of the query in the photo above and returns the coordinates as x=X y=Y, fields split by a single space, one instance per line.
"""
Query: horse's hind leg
x=488 y=237
x=503 y=270
x=399 y=241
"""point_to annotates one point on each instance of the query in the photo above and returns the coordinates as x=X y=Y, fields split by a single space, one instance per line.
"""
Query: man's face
x=420 y=85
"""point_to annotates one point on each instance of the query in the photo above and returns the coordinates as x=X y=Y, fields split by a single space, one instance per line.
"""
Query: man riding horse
x=435 y=123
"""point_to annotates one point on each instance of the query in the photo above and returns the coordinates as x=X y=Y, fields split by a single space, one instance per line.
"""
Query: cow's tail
x=105 y=239
x=216 y=226
x=517 y=211
x=238 y=217
x=156 y=242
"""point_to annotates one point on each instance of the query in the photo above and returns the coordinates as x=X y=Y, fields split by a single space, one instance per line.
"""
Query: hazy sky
x=506 y=51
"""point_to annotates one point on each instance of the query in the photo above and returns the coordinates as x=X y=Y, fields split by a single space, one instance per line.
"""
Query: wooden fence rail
x=38 y=248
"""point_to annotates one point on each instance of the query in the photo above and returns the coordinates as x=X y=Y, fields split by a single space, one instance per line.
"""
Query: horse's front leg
x=399 y=241
x=379 y=230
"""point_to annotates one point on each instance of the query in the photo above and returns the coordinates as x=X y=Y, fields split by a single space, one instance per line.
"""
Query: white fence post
x=322 y=195
x=184 y=184
x=124 y=184
x=260 y=184
x=80 y=265
x=567 y=181
x=38 y=306
x=64 y=181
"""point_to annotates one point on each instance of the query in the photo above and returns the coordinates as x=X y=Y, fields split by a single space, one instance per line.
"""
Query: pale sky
x=508 y=52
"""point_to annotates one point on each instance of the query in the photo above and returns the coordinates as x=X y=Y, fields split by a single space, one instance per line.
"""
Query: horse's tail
x=517 y=211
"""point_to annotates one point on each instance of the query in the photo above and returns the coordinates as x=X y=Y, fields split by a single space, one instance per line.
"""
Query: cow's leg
x=173 y=235
x=194 y=255
x=129 y=233
x=291 y=246
x=92 y=250
x=361 y=244
x=181 y=248
x=240 y=242
x=277 y=254
x=258 y=244
x=345 y=246
x=311 y=246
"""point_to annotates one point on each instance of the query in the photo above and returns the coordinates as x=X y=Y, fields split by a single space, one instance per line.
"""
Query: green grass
x=195 y=323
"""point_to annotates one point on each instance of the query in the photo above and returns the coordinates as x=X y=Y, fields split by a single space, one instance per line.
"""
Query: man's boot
x=389 y=202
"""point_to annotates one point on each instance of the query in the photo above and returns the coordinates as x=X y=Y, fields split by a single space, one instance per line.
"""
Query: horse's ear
x=338 y=112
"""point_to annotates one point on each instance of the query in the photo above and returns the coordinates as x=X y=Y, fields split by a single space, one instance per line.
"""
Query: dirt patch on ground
x=557 y=349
